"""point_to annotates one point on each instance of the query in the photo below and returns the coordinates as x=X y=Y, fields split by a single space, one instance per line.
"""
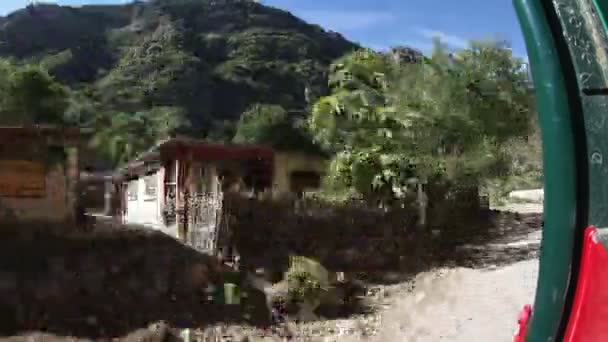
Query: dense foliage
x=273 y=125
x=28 y=94
x=443 y=119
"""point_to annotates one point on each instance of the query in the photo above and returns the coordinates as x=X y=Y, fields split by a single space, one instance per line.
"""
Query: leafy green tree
x=259 y=124
x=122 y=136
x=272 y=125
x=83 y=108
x=29 y=95
x=443 y=119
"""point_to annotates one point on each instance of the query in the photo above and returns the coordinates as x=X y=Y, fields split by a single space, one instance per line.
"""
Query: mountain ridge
x=213 y=59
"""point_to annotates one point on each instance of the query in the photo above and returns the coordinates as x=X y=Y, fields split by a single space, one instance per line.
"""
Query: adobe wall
x=56 y=200
x=287 y=162
x=52 y=207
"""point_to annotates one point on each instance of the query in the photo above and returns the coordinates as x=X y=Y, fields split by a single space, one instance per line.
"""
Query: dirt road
x=463 y=304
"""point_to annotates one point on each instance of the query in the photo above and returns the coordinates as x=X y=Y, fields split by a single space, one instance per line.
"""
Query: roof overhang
x=192 y=149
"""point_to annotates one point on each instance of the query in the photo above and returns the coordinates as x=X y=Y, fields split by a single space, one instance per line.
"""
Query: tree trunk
x=422 y=201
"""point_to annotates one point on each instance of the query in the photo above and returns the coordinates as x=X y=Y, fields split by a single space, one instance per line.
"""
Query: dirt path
x=461 y=305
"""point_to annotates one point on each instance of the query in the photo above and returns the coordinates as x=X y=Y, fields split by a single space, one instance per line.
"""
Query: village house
x=39 y=170
x=177 y=186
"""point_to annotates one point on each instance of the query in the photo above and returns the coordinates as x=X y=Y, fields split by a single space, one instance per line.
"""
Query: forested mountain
x=239 y=71
x=209 y=60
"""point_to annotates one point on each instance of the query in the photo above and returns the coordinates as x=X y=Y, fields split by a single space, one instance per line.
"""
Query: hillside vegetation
x=239 y=71
x=210 y=61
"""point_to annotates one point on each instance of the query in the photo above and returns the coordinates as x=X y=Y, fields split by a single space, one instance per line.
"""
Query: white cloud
x=346 y=20
x=449 y=39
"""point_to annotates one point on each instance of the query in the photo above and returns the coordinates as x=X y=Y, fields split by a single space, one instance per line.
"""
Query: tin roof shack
x=177 y=186
x=39 y=172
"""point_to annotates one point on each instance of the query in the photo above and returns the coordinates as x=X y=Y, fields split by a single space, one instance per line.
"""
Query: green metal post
x=602 y=6
x=559 y=172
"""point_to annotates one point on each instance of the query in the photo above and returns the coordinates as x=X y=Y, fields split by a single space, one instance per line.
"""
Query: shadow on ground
x=386 y=256
x=110 y=283
x=106 y=284
x=510 y=238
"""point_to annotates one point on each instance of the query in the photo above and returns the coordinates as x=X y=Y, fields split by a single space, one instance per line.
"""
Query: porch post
x=107 y=196
x=72 y=180
x=179 y=209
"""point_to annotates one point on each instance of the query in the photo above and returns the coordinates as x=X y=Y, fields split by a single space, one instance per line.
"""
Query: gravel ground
x=455 y=304
x=522 y=208
x=461 y=305
x=458 y=304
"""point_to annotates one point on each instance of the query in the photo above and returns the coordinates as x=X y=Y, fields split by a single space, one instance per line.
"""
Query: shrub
x=302 y=286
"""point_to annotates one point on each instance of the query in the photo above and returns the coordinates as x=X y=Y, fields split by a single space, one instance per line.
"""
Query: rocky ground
x=480 y=301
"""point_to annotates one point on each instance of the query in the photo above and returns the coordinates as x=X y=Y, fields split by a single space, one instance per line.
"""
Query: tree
x=121 y=136
x=441 y=120
x=29 y=95
x=352 y=122
x=259 y=124
x=272 y=125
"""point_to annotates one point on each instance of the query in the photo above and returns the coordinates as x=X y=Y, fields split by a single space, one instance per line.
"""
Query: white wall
x=146 y=210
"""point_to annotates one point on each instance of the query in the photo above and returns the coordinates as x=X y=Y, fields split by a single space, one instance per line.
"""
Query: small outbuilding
x=177 y=186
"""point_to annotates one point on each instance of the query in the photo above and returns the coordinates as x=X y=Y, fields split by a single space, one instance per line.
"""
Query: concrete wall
x=147 y=210
x=287 y=162
x=533 y=196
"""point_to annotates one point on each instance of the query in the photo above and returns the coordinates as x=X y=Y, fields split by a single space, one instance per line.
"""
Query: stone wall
x=103 y=284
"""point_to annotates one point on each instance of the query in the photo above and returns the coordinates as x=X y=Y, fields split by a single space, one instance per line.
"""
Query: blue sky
x=382 y=23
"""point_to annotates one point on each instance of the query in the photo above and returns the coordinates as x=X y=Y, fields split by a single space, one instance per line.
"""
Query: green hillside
x=209 y=60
